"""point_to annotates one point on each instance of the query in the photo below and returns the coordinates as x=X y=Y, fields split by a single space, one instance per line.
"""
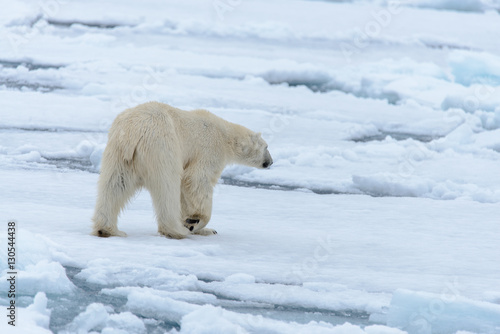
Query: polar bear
x=178 y=156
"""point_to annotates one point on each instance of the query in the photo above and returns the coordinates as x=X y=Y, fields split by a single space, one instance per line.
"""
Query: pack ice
x=379 y=215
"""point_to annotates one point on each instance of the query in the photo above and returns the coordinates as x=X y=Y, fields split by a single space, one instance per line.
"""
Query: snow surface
x=379 y=215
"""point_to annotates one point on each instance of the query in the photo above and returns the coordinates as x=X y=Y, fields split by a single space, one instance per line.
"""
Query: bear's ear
x=256 y=137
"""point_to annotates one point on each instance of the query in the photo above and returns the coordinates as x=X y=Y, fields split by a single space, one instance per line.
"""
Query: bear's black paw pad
x=192 y=221
x=103 y=234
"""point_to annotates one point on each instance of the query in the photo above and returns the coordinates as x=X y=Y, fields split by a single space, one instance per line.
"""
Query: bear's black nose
x=267 y=164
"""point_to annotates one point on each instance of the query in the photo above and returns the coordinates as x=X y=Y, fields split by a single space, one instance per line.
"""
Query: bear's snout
x=268 y=160
x=267 y=164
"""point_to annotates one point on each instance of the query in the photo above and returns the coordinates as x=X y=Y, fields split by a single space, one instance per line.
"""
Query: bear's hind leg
x=114 y=191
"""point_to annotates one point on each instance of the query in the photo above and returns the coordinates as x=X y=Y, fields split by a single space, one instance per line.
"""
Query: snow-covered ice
x=379 y=215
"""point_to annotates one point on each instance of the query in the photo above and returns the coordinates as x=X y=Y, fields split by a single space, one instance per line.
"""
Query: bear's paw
x=105 y=233
x=205 y=231
x=172 y=235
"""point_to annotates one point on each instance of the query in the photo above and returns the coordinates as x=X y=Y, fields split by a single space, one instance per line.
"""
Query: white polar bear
x=178 y=156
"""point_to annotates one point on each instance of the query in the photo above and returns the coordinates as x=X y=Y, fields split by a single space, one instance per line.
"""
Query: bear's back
x=156 y=111
x=156 y=116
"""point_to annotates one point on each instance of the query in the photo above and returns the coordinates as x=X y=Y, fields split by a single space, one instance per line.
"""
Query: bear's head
x=251 y=150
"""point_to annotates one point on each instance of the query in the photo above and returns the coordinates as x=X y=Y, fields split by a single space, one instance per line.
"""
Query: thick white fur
x=178 y=157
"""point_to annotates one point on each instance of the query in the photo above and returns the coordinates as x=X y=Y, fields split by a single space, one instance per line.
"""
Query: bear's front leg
x=166 y=201
x=196 y=202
